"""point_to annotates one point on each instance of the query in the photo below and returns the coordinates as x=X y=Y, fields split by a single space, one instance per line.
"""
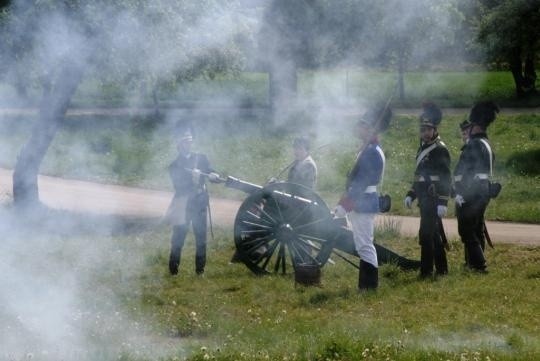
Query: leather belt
x=371 y=189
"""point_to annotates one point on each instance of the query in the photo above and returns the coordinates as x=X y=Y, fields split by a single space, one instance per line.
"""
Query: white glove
x=408 y=202
x=196 y=175
x=213 y=176
x=459 y=200
x=339 y=211
x=441 y=211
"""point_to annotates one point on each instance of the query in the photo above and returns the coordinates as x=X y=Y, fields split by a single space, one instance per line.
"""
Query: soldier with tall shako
x=431 y=186
x=360 y=203
x=191 y=201
x=472 y=184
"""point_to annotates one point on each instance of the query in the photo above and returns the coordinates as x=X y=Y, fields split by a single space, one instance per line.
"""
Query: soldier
x=472 y=183
x=303 y=170
x=360 y=203
x=190 y=203
x=464 y=128
x=431 y=186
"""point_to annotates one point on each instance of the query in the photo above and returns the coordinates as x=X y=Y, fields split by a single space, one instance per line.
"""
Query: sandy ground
x=351 y=111
x=104 y=199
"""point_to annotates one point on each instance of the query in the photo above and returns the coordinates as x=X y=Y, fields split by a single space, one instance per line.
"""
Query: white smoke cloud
x=45 y=310
x=41 y=298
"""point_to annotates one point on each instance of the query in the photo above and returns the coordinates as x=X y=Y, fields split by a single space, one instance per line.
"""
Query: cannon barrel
x=251 y=188
x=238 y=184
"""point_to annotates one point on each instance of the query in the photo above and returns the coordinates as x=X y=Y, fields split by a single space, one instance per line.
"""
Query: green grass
x=449 y=89
x=336 y=86
x=121 y=150
x=130 y=308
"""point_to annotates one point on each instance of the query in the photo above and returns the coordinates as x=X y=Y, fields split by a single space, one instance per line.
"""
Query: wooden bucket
x=307 y=274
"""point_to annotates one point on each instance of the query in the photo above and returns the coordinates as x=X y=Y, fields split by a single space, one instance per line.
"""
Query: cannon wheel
x=281 y=226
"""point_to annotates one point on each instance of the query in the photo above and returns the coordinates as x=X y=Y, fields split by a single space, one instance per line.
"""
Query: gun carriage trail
x=106 y=199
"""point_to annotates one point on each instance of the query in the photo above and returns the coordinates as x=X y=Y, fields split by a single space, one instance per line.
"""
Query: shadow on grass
x=525 y=163
x=63 y=222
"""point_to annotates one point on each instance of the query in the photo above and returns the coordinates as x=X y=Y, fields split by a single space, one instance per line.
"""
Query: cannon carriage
x=284 y=226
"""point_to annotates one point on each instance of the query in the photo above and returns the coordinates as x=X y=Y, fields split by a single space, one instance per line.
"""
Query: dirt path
x=105 y=199
x=337 y=110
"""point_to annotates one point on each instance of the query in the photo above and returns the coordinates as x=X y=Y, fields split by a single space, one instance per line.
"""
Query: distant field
x=339 y=87
x=132 y=152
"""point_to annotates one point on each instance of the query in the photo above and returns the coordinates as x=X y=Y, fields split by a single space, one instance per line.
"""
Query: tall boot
x=477 y=261
x=368 y=278
x=426 y=260
x=174 y=262
x=200 y=262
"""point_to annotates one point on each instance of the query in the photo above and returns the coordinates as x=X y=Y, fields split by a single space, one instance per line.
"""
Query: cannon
x=282 y=225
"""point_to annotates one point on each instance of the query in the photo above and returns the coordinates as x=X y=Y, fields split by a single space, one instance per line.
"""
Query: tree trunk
x=517 y=71
x=52 y=111
x=529 y=74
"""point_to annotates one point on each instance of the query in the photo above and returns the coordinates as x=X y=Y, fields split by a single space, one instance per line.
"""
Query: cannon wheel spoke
x=280 y=226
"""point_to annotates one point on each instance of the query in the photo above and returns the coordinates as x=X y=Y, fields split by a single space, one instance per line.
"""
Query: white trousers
x=363 y=225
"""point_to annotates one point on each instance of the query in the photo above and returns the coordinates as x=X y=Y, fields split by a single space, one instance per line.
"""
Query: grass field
x=110 y=297
x=129 y=151
x=339 y=87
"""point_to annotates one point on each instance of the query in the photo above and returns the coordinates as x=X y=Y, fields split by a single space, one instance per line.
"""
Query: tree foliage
x=508 y=31
x=55 y=43
x=397 y=33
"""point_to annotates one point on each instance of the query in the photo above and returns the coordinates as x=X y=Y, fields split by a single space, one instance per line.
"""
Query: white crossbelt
x=486 y=144
x=482 y=176
x=433 y=178
x=458 y=178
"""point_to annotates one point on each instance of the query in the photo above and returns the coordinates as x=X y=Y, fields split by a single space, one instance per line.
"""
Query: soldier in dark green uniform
x=431 y=186
x=472 y=184
x=190 y=203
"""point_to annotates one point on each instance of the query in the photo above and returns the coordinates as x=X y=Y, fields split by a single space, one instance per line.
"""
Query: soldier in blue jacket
x=361 y=200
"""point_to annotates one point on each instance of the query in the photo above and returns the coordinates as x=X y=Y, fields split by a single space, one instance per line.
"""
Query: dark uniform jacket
x=432 y=176
x=361 y=195
x=180 y=172
x=473 y=170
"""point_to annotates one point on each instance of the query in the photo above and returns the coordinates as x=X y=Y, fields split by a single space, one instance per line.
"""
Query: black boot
x=477 y=262
x=426 y=261
x=368 y=278
x=200 y=263
x=174 y=263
